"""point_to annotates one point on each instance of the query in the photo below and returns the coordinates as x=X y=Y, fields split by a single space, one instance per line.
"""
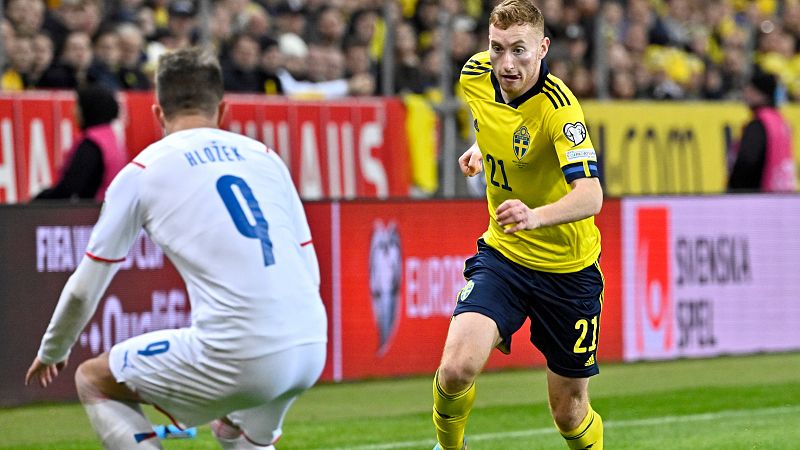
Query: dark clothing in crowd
x=59 y=76
x=749 y=166
x=239 y=80
x=96 y=158
x=133 y=79
x=82 y=176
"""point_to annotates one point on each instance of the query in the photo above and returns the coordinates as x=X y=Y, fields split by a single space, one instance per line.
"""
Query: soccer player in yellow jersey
x=538 y=258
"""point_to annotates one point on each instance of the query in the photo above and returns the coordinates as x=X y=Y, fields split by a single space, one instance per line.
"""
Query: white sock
x=118 y=424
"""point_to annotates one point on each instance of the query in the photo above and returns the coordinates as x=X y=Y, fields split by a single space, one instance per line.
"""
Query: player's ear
x=221 y=110
x=544 y=46
x=159 y=113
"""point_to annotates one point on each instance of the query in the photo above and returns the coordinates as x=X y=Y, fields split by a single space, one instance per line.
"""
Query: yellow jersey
x=533 y=147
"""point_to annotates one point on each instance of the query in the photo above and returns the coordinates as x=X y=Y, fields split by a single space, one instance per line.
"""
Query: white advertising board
x=706 y=276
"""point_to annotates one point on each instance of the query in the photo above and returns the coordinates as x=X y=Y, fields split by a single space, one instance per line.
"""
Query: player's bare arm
x=471 y=161
x=585 y=200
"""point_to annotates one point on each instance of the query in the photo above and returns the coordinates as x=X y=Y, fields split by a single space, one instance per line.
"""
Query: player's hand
x=45 y=373
x=513 y=216
x=471 y=162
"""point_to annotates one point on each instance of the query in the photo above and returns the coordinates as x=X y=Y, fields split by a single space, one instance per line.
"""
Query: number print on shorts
x=258 y=231
x=583 y=326
x=154 y=348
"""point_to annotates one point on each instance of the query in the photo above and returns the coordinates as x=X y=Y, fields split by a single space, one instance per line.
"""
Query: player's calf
x=117 y=423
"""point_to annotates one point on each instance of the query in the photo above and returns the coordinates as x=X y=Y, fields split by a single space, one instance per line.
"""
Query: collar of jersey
x=537 y=88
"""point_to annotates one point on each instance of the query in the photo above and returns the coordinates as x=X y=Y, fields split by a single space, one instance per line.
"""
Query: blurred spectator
x=26 y=16
x=623 y=86
x=42 y=56
x=670 y=49
x=294 y=77
x=96 y=157
x=240 y=71
x=17 y=74
x=329 y=27
x=7 y=32
x=105 y=65
x=270 y=62
x=290 y=17
x=582 y=82
x=182 y=24
x=334 y=64
x=764 y=159
x=426 y=19
x=72 y=68
x=81 y=15
x=361 y=28
x=408 y=74
x=131 y=58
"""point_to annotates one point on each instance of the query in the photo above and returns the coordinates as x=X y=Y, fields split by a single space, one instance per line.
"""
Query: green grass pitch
x=750 y=402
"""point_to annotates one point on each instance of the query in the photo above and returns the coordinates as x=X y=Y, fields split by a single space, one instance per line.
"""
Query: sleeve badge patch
x=575 y=132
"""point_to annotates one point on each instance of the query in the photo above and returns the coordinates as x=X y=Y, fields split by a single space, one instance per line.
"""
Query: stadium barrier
x=710 y=276
x=379 y=147
x=685 y=277
x=655 y=148
x=390 y=271
x=354 y=148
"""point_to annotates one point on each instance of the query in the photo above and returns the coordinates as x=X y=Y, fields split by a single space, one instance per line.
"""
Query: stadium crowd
x=623 y=49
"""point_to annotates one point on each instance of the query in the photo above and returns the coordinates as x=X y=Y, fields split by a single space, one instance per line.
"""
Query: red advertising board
x=354 y=148
x=39 y=249
x=390 y=272
x=9 y=143
x=400 y=269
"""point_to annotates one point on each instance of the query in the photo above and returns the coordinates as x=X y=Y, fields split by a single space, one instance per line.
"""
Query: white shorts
x=169 y=369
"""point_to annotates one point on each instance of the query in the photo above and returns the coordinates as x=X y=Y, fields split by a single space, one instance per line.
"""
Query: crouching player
x=224 y=210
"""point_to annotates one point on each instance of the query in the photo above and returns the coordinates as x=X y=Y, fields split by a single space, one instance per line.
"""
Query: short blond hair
x=517 y=12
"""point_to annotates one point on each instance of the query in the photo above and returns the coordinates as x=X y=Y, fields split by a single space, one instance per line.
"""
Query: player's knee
x=84 y=383
x=455 y=376
x=568 y=415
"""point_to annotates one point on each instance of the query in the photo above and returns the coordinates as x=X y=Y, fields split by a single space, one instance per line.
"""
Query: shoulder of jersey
x=478 y=65
x=557 y=93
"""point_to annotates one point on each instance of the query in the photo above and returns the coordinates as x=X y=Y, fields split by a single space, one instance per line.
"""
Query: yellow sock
x=588 y=435
x=450 y=412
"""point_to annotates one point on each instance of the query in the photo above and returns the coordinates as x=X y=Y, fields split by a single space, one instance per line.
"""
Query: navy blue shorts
x=564 y=308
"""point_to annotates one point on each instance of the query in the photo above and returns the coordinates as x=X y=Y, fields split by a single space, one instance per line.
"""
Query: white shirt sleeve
x=112 y=237
x=75 y=307
x=327 y=89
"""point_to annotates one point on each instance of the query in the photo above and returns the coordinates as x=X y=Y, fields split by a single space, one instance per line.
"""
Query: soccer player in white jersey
x=225 y=211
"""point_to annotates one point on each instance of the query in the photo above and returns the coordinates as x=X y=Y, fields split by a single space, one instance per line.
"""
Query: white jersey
x=225 y=211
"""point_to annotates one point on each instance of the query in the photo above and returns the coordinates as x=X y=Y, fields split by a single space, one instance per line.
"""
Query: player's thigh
x=168 y=369
x=279 y=379
x=493 y=289
x=565 y=320
x=470 y=340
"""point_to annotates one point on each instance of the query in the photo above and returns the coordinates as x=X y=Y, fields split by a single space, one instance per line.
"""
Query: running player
x=539 y=257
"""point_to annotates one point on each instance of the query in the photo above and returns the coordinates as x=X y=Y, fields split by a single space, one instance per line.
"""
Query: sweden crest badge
x=522 y=141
